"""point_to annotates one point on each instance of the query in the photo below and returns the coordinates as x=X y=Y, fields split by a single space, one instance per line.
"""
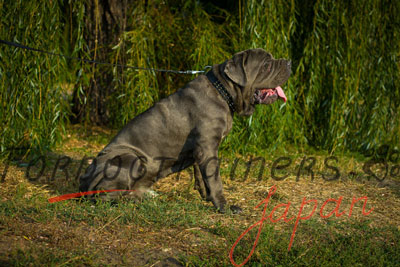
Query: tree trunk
x=105 y=21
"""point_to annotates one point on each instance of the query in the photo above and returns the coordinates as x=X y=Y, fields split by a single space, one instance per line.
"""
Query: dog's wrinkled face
x=272 y=74
x=259 y=75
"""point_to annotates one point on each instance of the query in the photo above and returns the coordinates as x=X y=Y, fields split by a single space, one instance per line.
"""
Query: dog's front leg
x=209 y=168
x=198 y=182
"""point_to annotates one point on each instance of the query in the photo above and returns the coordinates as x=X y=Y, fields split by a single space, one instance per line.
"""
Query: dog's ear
x=235 y=68
x=244 y=66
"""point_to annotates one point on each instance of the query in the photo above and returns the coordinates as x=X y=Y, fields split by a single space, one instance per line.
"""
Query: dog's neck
x=221 y=90
x=230 y=87
x=242 y=107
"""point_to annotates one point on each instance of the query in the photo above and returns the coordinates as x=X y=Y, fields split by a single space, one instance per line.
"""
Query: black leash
x=101 y=62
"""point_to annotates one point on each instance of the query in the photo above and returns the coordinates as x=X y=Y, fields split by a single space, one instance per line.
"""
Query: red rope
x=75 y=195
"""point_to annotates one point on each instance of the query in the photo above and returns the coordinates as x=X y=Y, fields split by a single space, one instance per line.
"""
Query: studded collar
x=221 y=90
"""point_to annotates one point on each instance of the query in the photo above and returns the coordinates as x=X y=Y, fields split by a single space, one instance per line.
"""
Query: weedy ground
x=178 y=228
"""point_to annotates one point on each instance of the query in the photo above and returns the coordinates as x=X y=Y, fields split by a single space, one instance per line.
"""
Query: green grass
x=178 y=224
x=328 y=244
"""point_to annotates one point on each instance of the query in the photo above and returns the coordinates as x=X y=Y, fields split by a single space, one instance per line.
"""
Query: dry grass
x=74 y=233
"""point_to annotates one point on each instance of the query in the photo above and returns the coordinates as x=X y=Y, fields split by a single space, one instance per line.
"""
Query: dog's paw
x=151 y=194
x=235 y=209
x=221 y=210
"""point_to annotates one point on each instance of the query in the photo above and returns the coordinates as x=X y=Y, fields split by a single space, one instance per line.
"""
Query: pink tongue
x=281 y=94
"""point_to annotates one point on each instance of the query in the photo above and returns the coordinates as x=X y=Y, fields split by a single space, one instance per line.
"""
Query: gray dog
x=186 y=129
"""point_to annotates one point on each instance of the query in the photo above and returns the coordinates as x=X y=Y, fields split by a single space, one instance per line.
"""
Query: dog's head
x=258 y=77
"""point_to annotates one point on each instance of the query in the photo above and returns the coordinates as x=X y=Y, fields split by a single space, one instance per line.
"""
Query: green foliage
x=161 y=38
x=269 y=25
x=33 y=109
x=343 y=93
x=349 y=76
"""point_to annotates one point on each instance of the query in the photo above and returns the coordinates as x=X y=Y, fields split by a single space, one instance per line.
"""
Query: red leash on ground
x=75 y=195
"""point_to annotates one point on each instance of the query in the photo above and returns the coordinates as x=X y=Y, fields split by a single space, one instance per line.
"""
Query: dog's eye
x=267 y=67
